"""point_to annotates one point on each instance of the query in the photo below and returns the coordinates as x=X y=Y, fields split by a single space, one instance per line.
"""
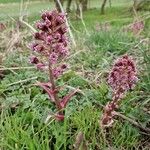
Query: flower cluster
x=122 y=78
x=137 y=27
x=50 y=42
x=50 y=49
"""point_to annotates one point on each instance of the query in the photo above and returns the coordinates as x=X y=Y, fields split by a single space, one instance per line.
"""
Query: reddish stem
x=109 y=109
x=56 y=98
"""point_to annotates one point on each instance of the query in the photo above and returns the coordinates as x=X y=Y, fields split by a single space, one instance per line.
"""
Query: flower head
x=123 y=76
x=51 y=41
x=137 y=27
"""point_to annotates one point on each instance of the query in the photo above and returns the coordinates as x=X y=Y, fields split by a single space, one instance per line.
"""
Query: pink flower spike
x=51 y=49
x=122 y=78
x=66 y=98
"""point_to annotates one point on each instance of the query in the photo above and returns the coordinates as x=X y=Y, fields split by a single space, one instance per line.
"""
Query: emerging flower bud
x=34 y=60
x=122 y=78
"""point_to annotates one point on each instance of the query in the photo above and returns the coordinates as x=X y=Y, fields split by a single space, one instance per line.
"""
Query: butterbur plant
x=137 y=27
x=121 y=79
x=50 y=48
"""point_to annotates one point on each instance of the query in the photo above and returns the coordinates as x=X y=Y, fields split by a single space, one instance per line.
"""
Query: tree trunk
x=78 y=8
x=57 y=5
x=103 y=6
x=110 y=3
x=84 y=5
x=68 y=5
x=135 y=2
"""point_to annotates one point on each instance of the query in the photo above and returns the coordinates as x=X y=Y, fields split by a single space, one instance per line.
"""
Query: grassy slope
x=24 y=107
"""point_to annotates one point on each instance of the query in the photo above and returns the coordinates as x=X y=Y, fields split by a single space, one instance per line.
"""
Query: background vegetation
x=100 y=39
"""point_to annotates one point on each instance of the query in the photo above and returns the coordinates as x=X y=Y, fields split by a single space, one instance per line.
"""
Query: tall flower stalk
x=50 y=49
x=122 y=78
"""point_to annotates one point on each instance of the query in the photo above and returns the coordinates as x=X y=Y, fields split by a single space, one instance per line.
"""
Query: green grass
x=117 y=15
x=111 y=41
x=24 y=107
x=33 y=8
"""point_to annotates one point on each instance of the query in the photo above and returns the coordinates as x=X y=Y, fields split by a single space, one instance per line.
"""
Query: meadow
x=25 y=110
